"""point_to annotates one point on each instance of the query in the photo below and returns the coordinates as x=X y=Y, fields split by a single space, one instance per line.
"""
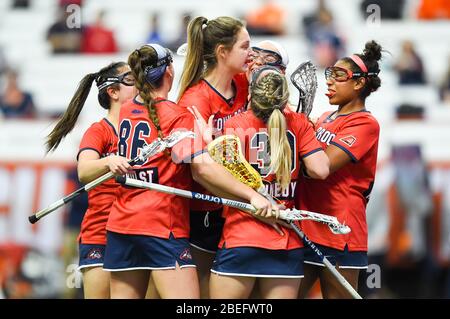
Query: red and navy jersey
x=241 y=229
x=101 y=137
x=147 y=212
x=344 y=193
x=210 y=102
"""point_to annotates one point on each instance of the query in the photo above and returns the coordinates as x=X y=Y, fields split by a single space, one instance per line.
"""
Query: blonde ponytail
x=269 y=96
x=280 y=150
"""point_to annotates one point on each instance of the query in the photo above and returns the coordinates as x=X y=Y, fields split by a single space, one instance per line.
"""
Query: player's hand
x=118 y=165
x=272 y=222
x=205 y=129
x=263 y=206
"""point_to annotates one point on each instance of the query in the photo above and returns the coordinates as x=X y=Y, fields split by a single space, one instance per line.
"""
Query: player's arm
x=91 y=166
x=338 y=158
x=221 y=183
x=317 y=165
x=352 y=142
x=315 y=161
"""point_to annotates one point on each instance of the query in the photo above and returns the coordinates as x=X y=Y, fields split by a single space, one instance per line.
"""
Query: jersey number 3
x=260 y=143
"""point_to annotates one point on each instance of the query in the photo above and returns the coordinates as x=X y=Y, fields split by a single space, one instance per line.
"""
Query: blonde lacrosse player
x=274 y=141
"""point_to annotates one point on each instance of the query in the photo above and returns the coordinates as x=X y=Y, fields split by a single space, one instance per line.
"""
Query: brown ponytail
x=70 y=116
x=203 y=38
x=138 y=60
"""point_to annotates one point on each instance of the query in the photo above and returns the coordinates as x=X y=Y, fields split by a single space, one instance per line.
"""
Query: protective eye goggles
x=267 y=57
x=125 y=79
x=341 y=75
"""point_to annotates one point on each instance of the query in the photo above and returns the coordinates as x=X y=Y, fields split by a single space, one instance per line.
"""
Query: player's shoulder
x=102 y=126
x=132 y=108
x=245 y=118
x=197 y=91
x=325 y=115
x=290 y=114
x=364 y=117
x=169 y=107
x=295 y=120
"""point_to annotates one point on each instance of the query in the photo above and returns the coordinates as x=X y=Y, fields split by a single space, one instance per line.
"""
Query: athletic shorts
x=259 y=262
x=132 y=252
x=344 y=258
x=91 y=255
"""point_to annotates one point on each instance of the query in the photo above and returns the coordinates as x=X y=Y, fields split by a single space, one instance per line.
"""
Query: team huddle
x=140 y=243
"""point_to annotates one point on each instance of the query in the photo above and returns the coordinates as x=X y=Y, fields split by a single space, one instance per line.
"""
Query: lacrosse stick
x=304 y=79
x=226 y=150
x=147 y=151
x=287 y=214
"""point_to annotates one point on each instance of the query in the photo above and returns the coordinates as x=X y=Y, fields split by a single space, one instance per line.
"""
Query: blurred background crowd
x=46 y=46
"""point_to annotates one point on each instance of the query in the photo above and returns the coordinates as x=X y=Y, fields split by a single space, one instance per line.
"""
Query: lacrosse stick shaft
x=184 y=193
x=54 y=206
x=284 y=214
x=239 y=205
x=34 y=218
x=326 y=262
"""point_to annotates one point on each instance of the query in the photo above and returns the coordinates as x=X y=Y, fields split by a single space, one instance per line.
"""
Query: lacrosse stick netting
x=226 y=151
x=304 y=79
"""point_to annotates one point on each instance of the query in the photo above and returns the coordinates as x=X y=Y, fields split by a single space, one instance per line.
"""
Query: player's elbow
x=320 y=168
x=202 y=168
x=83 y=178
x=320 y=172
x=83 y=174
x=201 y=172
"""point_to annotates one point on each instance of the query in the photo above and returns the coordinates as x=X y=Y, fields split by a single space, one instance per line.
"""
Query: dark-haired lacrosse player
x=267 y=52
x=97 y=156
x=214 y=81
x=148 y=231
x=350 y=136
x=274 y=139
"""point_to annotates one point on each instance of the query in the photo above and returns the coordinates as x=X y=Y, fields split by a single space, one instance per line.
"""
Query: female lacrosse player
x=147 y=230
x=274 y=139
x=267 y=52
x=97 y=155
x=350 y=137
x=213 y=80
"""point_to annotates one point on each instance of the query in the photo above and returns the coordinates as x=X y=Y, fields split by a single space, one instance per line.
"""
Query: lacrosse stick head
x=304 y=79
x=331 y=221
x=177 y=136
x=226 y=151
x=339 y=229
x=159 y=145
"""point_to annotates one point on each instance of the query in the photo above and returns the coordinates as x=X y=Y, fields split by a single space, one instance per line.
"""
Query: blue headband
x=155 y=71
